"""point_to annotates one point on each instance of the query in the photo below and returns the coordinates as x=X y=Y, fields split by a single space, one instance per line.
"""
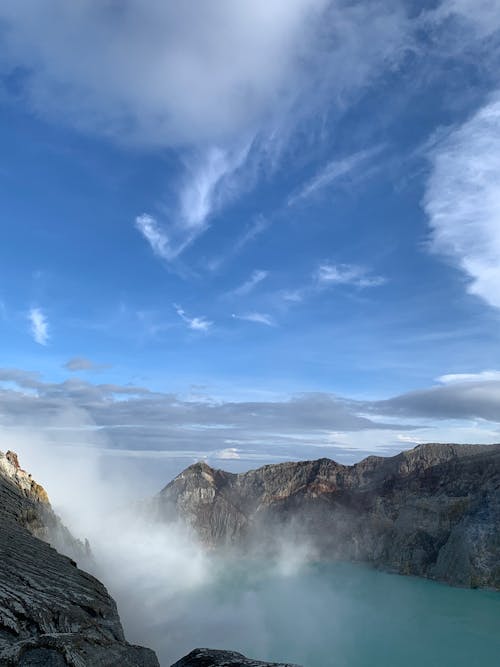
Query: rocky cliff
x=433 y=511
x=52 y=614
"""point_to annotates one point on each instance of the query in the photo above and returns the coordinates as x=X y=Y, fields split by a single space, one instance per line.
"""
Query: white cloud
x=258 y=318
x=245 y=288
x=39 y=326
x=462 y=200
x=228 y=453
x=347 y=274
x=195 y=323
x=469 y=377
x=159 y=74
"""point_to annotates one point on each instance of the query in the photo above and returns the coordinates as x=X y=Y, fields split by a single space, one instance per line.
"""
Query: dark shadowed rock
x=433 y=511
x=204 y=657
x=51 y=613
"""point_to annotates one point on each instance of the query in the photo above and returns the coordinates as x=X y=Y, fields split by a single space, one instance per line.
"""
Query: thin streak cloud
x=332 y=173
x=250 y=284
x=258 y=318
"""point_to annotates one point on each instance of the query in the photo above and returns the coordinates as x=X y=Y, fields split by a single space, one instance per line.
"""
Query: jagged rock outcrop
x=205 y=657
x=433 y=511
x=51 y=613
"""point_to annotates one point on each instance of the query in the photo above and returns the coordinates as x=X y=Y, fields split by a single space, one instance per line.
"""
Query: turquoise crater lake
x=335 y=615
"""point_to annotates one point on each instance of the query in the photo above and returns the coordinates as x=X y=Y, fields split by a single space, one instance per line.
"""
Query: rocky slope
x=51 y=613
x=204 y=657
x=433 y=511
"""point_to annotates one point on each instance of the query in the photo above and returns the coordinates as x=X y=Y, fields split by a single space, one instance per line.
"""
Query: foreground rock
x=204 y=657
x=433 y=511
x=51 y=613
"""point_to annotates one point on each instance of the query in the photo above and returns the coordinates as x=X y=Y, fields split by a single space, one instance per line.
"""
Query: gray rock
x=433 y=511
x=52 y=614
x=204 y=657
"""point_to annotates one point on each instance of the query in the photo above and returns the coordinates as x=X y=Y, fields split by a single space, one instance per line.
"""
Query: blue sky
x=247 y=203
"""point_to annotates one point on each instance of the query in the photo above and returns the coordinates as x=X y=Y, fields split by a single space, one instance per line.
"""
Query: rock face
x=204 y=657
x=51 y=613
x=433 y=511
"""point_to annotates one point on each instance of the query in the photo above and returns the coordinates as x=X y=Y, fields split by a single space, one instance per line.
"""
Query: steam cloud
x=172 y=595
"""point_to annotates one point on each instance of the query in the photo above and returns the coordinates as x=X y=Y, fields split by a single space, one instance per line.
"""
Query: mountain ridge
x=432 y=511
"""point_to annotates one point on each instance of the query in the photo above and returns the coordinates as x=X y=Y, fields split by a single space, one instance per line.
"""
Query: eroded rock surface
x=51 y=613
x=204 y=657
x=433 y=511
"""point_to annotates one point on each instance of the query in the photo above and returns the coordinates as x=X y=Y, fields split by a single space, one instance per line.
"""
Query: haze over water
x=330 y=615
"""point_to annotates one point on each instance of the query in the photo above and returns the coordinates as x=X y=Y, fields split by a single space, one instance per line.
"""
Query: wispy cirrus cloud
x=258 y=226
x=462 y=200
x=205 y=188
x=39 y=326
x=209 y=183
x=347 y=274
x=194 y=323
x=333 y=172
x=154 y=235
x=328 y=274
x=252 y=231
x=258 y=318
x=250 y=284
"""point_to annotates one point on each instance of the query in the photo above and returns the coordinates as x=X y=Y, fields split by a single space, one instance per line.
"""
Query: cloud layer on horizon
x=134 y=419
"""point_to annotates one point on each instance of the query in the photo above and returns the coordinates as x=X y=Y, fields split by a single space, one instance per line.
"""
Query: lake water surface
x=335 y=615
